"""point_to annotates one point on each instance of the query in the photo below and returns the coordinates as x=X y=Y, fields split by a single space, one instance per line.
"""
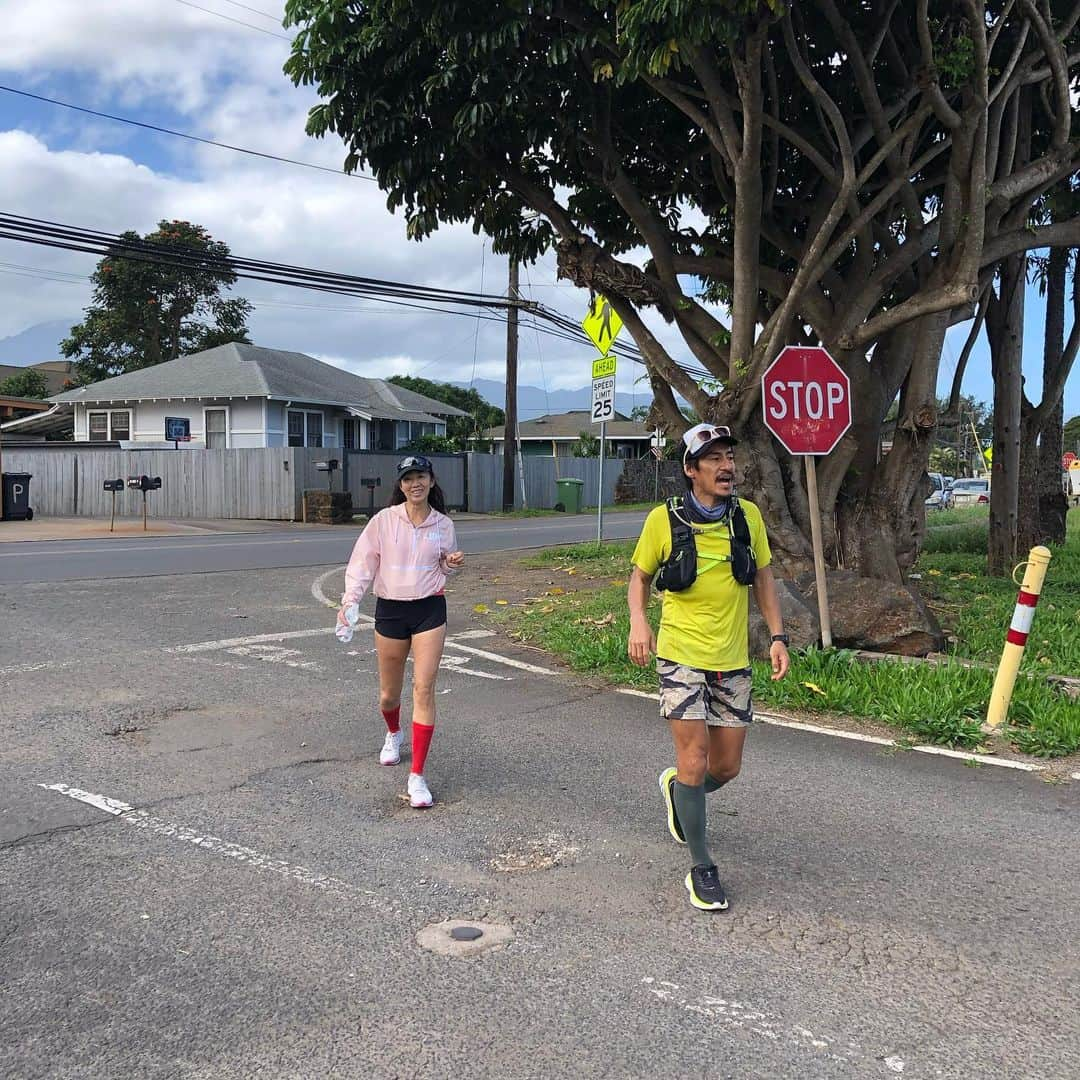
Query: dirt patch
x=527 y=855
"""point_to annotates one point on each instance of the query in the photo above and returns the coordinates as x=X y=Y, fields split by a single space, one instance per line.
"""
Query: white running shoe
x=419 y=795
x=390 y=754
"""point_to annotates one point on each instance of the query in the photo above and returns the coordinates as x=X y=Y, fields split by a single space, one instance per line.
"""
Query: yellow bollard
x=1015 y=640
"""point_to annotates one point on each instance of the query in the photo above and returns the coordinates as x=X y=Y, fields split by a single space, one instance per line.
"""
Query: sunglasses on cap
x=416 y=463
x=700 y=438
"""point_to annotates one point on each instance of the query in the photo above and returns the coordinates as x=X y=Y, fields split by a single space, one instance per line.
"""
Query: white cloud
x=225 y=82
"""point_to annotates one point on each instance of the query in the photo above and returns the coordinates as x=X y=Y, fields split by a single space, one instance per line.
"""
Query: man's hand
x=778 y=654
x=642 y=643
x=455 y=560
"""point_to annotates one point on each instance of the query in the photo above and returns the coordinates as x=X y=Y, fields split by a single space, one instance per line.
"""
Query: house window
x=305 y=428
x=109 y=426
x=216 y=429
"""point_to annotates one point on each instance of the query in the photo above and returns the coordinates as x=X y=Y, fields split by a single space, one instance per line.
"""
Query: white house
x=243 y=396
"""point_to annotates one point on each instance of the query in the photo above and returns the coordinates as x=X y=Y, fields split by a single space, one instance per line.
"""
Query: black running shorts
x=402 y=618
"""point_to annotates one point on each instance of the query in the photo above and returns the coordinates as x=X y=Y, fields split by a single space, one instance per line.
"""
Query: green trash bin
x=570 y=492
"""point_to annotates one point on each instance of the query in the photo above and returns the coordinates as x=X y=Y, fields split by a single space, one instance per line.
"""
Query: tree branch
x=965 y=353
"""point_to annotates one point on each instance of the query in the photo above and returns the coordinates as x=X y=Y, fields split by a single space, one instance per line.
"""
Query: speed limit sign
x=603 y=399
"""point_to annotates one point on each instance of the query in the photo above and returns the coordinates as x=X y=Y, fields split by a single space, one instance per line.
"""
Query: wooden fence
x=268 y=483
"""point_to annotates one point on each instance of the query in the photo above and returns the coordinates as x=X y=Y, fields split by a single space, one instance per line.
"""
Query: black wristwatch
x=782 y=638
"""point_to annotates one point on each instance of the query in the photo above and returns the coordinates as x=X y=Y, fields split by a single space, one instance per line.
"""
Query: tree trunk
x=1005 y=330
x=1053 y=503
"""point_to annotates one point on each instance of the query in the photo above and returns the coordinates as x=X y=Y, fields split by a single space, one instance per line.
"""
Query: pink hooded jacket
x=402 y=561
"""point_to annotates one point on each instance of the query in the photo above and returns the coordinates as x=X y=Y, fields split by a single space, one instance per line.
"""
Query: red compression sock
x=393 y=719
x=421 y=740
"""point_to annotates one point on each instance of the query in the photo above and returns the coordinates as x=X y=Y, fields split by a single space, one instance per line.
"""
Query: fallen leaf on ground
x=502 y=603
x=481 y=609
x=556 y=591
x=815 y=688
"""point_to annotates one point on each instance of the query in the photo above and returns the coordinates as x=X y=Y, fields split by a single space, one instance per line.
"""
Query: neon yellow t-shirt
x=707 y=625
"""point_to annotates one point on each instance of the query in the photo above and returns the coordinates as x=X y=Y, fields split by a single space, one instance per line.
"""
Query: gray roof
x=570 y=425
x=237 y=371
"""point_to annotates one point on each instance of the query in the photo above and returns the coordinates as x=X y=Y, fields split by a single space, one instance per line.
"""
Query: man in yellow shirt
x=702 y=652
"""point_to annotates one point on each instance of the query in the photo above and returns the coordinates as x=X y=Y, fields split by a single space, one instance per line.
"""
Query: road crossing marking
x=257 y=860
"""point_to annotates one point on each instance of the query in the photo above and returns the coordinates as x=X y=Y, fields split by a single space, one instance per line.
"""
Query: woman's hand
x=455 y=560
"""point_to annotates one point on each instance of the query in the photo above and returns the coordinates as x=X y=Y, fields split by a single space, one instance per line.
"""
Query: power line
x=254 y=11
x=184 y=134
x=488 y=307
x=239 y=22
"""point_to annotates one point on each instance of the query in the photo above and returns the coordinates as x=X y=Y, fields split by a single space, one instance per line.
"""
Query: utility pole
x=510 y=446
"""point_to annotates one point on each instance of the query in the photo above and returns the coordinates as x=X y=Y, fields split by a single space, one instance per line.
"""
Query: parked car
x=970 y=492
x=935 y=500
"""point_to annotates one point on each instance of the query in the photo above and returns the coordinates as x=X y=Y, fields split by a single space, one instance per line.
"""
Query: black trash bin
x=17 y=496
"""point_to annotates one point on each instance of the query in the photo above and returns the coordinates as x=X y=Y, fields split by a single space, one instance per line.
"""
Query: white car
x=936 y=499
x=970 y=492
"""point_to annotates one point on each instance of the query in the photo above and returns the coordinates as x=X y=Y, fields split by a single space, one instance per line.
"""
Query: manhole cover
x=466 y=933
x=462 y=939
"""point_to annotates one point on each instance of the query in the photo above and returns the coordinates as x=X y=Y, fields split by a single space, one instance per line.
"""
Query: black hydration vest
x=679 y=570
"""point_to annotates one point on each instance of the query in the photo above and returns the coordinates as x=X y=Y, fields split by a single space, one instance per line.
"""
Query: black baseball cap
x=414 y=463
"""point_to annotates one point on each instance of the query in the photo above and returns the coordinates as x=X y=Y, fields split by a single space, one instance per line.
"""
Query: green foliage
x=433 y=444
x=588 y=445
x=1072 y=435
x=29 y=383
x=144 y=312
x=459 y=429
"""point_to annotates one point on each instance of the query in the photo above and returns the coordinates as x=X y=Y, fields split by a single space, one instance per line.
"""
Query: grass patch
x=976 y=609
x=596 y=559
x=936 y=704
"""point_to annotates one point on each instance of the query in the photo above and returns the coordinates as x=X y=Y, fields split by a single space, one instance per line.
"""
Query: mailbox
x=113 y=485
x=144 y=483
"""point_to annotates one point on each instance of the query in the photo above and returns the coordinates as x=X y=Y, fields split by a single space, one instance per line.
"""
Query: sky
x=216 y=73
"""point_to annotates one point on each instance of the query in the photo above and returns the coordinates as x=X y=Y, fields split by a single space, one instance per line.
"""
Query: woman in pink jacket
x=405 y=554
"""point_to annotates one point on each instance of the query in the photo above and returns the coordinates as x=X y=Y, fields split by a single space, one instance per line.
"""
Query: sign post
x=806 y=399
x=603 y=409
x=602 y=324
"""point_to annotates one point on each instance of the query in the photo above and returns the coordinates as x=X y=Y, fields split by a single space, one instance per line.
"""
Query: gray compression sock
x=690 y=807
x=712 y=784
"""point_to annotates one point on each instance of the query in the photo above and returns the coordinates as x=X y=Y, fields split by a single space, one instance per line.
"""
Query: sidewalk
x=80 y=528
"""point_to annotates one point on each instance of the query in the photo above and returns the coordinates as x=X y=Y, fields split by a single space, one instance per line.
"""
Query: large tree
x=146 y=311
x=461 y=429
x=839 y=172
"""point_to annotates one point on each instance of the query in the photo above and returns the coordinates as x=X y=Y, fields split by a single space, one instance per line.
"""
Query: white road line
x=495 y=658
x=152 y=547
x=877 y=740
x=451 y=643
x=214 y=844
x=45 y=665
x=254 y=639
x=1074 y=776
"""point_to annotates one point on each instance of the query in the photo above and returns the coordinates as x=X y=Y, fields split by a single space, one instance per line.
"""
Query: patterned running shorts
x=720 y=698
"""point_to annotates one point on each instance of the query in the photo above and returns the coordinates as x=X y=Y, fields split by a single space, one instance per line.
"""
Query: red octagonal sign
x=806 y=398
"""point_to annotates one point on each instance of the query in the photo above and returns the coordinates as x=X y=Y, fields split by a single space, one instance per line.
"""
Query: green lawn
x=944 y=704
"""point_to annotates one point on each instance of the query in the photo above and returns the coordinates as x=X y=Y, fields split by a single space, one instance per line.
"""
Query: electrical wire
x=239 y=22
x=185 y=135
x=487 y=307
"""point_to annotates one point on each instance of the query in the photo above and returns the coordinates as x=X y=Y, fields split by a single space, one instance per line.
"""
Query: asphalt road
x=257 y=912
x=63 y=560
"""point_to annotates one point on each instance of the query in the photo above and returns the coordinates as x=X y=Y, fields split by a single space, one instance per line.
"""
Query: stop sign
x=806 y=398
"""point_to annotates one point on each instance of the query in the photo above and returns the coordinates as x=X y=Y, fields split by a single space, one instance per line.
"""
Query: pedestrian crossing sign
x=602 y=324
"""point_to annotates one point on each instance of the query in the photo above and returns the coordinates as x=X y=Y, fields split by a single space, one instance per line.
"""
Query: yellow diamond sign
x=602 y=324
x=603 y=366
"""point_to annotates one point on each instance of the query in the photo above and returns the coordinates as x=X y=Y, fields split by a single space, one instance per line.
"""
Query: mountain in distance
x=534 y=401
x=36 y=343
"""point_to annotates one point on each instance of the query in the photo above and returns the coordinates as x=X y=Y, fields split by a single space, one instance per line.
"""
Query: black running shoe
x=706 y=892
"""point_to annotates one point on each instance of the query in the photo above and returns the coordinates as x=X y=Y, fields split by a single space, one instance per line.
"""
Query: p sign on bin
x=806 y=399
